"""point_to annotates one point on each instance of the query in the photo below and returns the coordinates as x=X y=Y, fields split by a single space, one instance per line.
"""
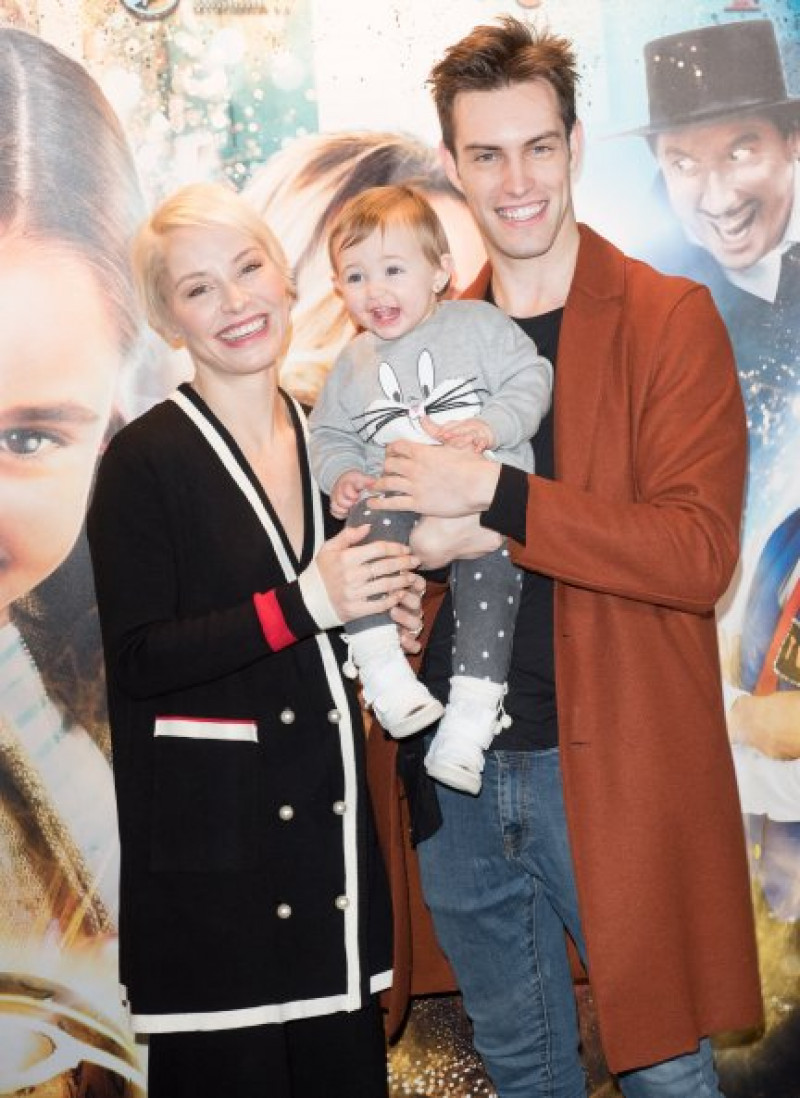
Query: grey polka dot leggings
x=486 y=595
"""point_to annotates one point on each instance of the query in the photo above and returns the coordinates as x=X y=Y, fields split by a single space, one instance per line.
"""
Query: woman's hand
x=408 y=616
x=363 y=579
x=437 y=541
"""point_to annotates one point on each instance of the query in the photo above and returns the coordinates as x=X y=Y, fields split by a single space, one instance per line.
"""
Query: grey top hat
x=714 y=72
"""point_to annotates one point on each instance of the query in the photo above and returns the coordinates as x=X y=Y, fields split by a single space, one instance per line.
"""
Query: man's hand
x=347 y=491
x=435 y=480
x=438 y=541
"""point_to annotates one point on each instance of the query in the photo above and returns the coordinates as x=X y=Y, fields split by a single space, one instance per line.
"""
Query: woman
x=254 y=912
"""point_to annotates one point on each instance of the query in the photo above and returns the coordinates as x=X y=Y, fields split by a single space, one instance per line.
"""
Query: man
x=628 y=533
x=725 y=134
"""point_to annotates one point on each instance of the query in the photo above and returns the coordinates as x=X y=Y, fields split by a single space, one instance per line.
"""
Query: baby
x=468 y=368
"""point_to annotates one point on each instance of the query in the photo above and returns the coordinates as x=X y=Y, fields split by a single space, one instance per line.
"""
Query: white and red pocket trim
x=207 y=728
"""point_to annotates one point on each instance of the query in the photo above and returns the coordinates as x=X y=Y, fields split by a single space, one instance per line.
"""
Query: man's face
x=731 y=183
x=514 y=164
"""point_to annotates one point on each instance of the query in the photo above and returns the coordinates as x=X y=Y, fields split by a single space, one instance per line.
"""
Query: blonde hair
x=374 y=210
x=300 y=191
x=199 y=205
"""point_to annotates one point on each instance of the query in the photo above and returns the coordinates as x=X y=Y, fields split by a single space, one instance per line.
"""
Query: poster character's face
x=388 y=283
x=228 y=301
x=515 y=165
x=58 y=367
x=731 y=183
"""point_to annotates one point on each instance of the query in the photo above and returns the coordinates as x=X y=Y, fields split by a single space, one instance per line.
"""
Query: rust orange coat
x=640 y=531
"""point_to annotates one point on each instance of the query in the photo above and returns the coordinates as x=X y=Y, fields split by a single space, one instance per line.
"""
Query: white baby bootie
x=473 y=717
x=401 y=703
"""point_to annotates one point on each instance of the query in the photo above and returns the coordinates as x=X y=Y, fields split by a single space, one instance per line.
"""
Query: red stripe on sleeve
x=273 y=623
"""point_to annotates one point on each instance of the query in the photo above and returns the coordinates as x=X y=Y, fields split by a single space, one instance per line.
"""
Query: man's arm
x=676 y=543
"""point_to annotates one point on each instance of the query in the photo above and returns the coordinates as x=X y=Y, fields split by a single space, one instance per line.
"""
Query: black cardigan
x=252 y=890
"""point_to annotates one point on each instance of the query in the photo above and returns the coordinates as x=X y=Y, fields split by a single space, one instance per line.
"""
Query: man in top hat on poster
x=724 y=131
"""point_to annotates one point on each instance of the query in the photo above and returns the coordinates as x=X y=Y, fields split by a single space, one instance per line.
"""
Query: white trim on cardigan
x=351 y=999
x=272 y=1013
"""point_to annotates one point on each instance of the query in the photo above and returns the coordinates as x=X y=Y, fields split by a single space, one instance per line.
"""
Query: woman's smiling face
x=228 y=301
x=58 y=369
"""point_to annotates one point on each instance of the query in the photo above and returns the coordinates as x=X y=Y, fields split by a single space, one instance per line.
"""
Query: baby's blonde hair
x=376 y=209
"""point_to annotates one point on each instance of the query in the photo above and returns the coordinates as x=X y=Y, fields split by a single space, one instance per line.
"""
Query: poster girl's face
x=58 y=358
x=228 y=301
x=731 y=183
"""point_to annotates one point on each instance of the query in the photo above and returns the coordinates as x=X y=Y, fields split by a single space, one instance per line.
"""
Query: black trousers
x=333 y=1056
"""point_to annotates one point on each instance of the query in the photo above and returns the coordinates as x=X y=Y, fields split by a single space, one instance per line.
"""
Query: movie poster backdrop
x=692 y=121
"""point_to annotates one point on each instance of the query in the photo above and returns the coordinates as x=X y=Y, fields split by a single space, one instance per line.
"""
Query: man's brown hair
x=497 y=56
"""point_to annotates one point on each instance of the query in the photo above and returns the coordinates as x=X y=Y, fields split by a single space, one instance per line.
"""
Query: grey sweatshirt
x=467 y=360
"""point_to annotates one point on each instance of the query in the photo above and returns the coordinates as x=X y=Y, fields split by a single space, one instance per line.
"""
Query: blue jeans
x=498 y=879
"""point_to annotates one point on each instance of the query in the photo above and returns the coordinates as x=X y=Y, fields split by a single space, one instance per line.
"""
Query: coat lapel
x=589 y=330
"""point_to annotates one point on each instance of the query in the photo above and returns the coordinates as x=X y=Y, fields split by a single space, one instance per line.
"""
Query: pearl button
x=334 y=716
x=339 y=807
x=342 y=902
x=287 y=716
x=283 y=911
x=286 y=812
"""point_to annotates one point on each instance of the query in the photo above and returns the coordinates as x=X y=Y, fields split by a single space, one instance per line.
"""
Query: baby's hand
x=467 y=434
x=347 y=491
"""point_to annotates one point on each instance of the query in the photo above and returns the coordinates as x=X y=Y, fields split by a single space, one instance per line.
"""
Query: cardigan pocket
x=205 y=794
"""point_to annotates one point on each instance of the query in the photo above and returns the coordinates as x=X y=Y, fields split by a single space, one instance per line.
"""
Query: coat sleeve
x=150 y=647
x=671 y=538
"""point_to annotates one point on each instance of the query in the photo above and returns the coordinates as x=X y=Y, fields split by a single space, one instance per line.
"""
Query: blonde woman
x=255 y=923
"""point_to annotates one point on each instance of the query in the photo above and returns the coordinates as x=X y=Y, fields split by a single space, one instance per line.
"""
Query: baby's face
x=387 y=283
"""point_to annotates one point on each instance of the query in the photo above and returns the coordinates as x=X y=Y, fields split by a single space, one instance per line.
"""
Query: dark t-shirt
x=531 y=699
